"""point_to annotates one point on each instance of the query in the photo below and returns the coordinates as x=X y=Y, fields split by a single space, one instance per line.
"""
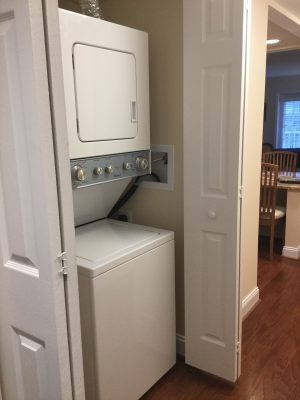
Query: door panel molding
x=216 y=20
x=30 y=365
x=215 y=92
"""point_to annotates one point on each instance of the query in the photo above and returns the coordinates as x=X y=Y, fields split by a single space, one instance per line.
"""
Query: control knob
x=78 y=173
x=98 y=171
x=109 y=169
x=142 y=163
x=127 y=166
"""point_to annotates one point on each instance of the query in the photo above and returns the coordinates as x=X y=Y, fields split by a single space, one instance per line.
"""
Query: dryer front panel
x=106 y=93
x=106 y=83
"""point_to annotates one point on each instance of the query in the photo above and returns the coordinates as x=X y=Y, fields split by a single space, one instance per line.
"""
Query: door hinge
x=238 y=346
x=241 y=192
x=62 y=257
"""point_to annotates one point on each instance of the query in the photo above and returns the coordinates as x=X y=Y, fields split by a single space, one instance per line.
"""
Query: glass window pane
x=290 y=124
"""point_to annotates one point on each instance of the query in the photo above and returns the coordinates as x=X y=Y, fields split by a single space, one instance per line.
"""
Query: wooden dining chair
x=286 y=160
x=266 y=146
x=269 y=214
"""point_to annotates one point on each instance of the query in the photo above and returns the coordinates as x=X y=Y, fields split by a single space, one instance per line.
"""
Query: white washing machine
x=127 y=303
x=126 y=271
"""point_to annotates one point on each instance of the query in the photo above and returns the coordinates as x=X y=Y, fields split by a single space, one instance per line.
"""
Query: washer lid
x=104 y=244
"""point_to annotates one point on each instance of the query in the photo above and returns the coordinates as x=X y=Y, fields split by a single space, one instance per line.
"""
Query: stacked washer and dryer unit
x=126 y=271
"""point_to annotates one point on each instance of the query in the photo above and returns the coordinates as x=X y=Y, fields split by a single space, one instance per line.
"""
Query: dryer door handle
x=133 y=109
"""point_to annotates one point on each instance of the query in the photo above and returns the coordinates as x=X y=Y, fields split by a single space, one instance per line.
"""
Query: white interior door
x=214 y=59
x=34 y=355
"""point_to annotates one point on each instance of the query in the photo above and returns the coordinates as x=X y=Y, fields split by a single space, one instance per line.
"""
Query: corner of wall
x=253 y=130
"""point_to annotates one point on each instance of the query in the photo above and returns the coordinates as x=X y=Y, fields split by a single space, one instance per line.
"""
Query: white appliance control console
x=96 y=170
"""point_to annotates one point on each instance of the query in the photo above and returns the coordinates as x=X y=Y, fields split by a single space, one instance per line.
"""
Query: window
x=288 y=123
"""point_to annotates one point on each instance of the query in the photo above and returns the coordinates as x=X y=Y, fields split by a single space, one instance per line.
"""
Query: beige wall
x=256 y=62
x=72 y=5
x=163 y=21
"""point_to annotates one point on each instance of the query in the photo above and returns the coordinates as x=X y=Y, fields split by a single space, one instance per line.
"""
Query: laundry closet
x=126 y=271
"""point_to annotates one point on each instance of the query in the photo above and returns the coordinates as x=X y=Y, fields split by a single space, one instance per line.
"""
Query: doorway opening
x=281 y=127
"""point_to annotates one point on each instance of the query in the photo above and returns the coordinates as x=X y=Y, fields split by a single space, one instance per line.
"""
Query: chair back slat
x=286 y=160
x=268 y=190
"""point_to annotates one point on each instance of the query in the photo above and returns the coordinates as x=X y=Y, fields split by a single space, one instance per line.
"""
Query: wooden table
x=291 y=247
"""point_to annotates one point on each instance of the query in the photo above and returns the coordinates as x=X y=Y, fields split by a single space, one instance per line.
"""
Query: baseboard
x=291 y=252
x=180 y=344
x=250 y=302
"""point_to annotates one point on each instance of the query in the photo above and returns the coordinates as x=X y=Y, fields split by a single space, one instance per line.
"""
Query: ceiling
x=284 y=58
x=287 y=39
x=291 y=5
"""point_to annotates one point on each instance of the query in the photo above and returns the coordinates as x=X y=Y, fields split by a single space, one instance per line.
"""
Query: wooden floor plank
x=270 y=347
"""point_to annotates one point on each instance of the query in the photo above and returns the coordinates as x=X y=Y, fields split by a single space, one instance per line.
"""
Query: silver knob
x=142 y=163
x=98 y=171
x=78 y=173
x=127 y=166
x=109 y=169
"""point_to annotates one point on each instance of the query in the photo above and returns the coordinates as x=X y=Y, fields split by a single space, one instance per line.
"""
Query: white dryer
x=127 y=303
x=106 y=83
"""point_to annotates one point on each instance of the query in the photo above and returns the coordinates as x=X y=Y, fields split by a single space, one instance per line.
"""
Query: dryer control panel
x=95 y=170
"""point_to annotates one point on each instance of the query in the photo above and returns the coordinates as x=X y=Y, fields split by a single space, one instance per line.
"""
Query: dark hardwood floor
x=271 y=345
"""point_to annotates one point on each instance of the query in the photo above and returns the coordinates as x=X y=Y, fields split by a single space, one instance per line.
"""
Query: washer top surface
x=105 y=244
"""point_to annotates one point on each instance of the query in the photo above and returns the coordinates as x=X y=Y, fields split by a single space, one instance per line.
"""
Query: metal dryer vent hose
x=91 y=8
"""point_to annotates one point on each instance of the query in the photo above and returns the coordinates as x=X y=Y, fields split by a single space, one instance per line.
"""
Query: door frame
x=264 y=11
x=65 y=198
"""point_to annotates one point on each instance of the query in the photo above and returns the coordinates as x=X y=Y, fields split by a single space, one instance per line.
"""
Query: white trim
x=284 y=18
x=66 y=214
x=169 y=185
x=180 y=344
x=291 y=252
x=249 y=302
